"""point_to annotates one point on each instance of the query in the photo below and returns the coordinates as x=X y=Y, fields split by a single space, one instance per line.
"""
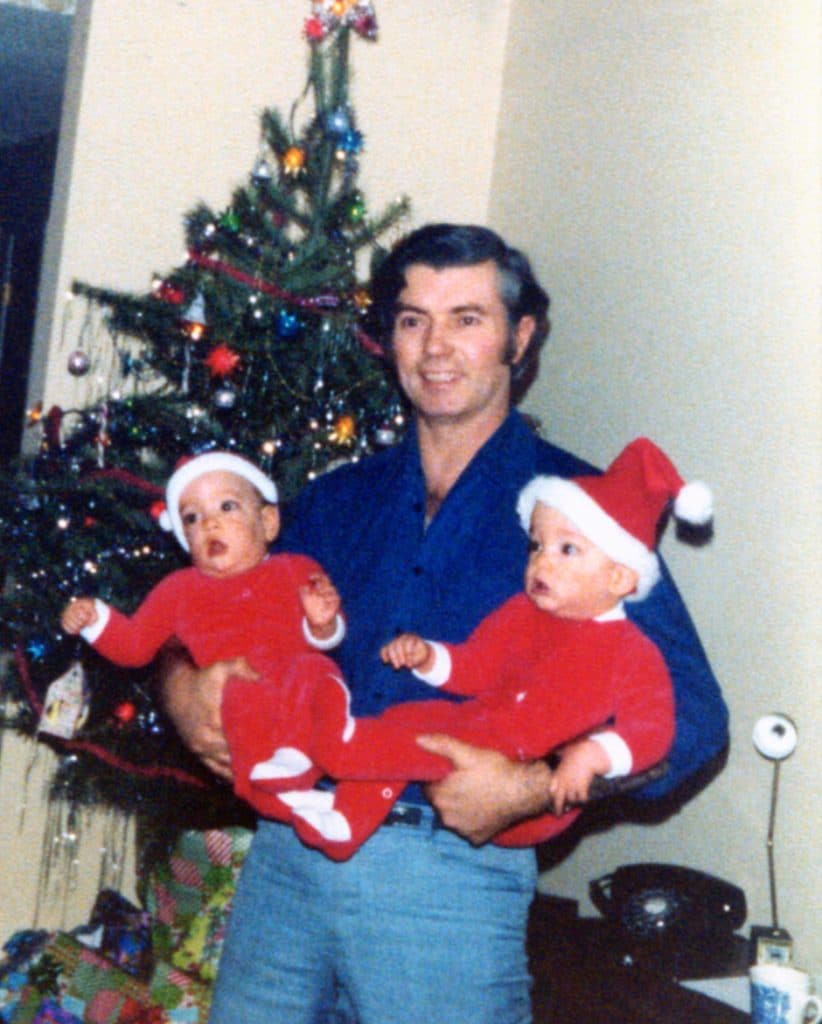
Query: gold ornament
x=362 y=299
x=293 y=160
x=344 y=430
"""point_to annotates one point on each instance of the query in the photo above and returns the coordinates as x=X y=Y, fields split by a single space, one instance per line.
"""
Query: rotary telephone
x=668 y=904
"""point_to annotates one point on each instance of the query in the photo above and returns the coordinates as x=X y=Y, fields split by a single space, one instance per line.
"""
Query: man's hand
x=192 y=698
x=486 y=792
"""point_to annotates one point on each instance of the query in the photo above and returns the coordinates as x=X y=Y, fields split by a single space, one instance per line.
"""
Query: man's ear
x=623 y=580
x=522 y=335
x=271 y=521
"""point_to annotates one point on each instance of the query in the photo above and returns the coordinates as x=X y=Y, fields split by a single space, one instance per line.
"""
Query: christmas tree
x=257 y=344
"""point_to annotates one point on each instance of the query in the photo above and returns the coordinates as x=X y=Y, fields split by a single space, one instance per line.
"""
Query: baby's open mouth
x=215 y=548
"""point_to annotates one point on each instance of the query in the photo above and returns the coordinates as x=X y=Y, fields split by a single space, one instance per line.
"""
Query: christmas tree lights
x=257 y=343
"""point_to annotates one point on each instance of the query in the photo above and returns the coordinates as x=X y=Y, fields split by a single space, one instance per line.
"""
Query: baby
x=234 y=600
x=551 y=665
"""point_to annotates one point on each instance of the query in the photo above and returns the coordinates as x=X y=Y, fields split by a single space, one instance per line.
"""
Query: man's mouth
x=439 y=376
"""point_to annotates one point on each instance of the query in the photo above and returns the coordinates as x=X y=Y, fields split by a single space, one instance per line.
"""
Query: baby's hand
x=408 y=651
x=78 y=613
x=580 y=762
x=321 y=604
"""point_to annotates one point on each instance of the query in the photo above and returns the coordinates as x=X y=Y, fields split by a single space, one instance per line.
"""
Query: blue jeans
x=417 y=926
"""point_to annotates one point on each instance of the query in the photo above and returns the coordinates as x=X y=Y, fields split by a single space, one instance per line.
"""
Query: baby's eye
x=189 y=518
x=229 y=505
x=533 y=546
x=569 y=548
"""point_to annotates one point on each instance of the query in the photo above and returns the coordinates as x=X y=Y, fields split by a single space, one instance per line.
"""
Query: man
x=422 y=924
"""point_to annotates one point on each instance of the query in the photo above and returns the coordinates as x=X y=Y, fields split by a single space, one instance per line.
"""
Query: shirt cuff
x=618 y=751
x=440 y=671
x=91 y=634
x=328 y=642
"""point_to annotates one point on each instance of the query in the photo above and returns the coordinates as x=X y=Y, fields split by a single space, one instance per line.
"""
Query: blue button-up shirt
x=365 y=524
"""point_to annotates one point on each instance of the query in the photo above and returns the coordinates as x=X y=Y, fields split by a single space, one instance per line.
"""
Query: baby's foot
x=286 y=766
x=315 y=808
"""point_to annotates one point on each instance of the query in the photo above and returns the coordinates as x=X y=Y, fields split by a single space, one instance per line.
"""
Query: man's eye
x=469 y=319
x=407 y=323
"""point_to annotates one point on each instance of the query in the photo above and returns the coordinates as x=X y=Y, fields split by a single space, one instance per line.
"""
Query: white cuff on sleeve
x=91 y=634
x=440 y=671
x=328 y=642
x=622 y=760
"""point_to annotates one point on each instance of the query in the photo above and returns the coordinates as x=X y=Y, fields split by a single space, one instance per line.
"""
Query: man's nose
x=437 y=338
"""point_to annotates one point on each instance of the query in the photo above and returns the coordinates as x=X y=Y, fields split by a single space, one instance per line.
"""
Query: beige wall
x=660 y=162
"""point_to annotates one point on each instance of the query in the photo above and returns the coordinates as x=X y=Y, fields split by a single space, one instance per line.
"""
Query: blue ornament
x=338 y=121
x=351 y=141
x=36 y=648
x=288 y=324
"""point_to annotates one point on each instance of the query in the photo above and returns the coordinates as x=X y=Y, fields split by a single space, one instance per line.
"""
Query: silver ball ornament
x=225 y=398
x=78 y=363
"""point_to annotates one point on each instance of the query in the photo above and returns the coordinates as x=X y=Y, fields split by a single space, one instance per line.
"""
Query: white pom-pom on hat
x=694 y=504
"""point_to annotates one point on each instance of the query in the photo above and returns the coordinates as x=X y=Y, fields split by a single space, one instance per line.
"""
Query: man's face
x=450 y=339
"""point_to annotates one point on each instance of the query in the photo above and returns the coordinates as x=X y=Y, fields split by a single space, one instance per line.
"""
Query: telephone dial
x=668 y=904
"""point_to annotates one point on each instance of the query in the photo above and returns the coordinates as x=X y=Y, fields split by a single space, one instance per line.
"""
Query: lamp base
x=770 y=945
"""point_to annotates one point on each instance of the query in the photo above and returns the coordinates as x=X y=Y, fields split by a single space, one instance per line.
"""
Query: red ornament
x=125 y=712
x=222 y=361
x=315 y=30
x=165 y=291
x=156 y=509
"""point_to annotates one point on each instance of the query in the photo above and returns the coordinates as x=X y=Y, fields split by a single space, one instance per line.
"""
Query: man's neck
x=446 y=449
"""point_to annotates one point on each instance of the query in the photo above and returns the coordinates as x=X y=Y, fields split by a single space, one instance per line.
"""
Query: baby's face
x=226 y=523
x=567 y=574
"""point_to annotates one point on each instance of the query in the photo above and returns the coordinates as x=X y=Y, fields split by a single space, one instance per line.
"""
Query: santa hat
x=620 y=510
x=190 y=469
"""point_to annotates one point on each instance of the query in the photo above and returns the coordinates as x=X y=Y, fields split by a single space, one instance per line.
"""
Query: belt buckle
x=404 y=814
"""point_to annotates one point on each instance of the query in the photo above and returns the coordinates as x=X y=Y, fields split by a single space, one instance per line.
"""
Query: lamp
x=775 y=738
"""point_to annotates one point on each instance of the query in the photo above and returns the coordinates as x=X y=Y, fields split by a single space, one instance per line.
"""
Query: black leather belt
x=412 y=815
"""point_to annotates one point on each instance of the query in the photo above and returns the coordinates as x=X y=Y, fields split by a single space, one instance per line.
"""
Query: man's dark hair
x=463 y=245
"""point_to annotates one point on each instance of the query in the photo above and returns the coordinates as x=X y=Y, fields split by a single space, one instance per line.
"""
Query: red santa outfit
x=256 y=614
x=536 y=681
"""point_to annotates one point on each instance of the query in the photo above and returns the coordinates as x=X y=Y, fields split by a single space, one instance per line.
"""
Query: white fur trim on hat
x=590 y=519
x=211 y=462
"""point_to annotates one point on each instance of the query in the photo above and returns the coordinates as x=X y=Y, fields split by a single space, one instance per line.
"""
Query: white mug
x=781 y=995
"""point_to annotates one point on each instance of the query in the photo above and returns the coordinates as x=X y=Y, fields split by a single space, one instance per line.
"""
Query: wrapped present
x=21 y=954
x=84 y=986
x=121 y=932
x=190 y=895
x=184 y=998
